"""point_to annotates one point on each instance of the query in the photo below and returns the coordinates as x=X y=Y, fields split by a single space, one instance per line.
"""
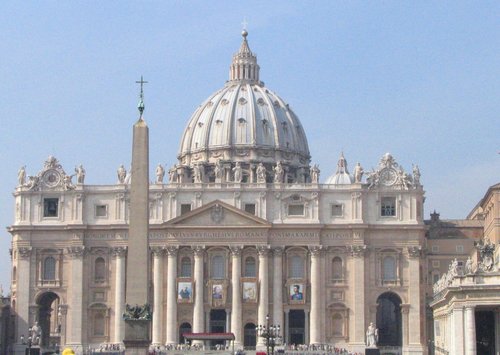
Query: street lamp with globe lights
x=269 y=332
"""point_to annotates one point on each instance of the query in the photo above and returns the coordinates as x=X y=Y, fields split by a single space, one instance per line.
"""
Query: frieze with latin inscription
x=217 y=234
x=337 y=235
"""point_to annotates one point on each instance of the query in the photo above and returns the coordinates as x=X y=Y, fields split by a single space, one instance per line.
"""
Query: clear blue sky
x=418 y=79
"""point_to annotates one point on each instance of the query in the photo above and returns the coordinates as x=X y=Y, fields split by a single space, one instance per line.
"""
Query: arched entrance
x=297 y=326
x=250 y=336
x=389 y=319
x=48 y=320
x=217 y=324
x=184 y=328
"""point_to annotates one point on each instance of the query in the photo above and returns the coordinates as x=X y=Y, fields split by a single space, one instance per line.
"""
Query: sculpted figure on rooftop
x=122 y=174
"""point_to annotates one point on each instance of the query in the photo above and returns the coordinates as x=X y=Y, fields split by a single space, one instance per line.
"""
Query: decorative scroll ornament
x=391 y=174
x=51 y=177
x=486 y=255
x=414 y=251
x=137 y=312
x=357 y=251
x=76 y=252
x=24 y=252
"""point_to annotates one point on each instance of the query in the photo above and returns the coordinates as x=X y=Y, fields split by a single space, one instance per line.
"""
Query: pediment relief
x=218 y=214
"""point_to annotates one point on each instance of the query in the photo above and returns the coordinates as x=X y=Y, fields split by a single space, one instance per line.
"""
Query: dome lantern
x=244 y=66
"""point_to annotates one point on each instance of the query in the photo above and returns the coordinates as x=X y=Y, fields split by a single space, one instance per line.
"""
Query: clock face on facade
x=51 y=178
x=388 y=176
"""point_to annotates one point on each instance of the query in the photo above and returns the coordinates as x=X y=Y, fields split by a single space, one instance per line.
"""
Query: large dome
x=245 y=122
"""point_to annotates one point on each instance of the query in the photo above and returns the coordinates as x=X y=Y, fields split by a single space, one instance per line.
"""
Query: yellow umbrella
x=68 y=351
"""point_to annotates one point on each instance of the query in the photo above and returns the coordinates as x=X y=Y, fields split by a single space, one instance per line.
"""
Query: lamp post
x=269 y=332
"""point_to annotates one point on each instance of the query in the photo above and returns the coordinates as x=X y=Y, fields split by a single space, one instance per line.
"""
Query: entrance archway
x=184 y=328
x=48 y=304
x=485 y=332
x=217 y=324
x=297 y=326
x=389 y=319
x=250 y=336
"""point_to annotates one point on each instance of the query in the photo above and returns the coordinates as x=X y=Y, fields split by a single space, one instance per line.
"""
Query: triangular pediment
x=218 y=214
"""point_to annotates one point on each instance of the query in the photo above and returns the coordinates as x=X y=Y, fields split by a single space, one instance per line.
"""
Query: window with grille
x=296 y=210
x=250 y=267
x=250 y=208
x=49 y=268
x=185 y=208
x=186 y=267
x=337 y=268
x=337 y=210
x=388 y=207
x=218 y=267
x=50 y=207
x=389 y=268
x=296 y=267
x=99 y=270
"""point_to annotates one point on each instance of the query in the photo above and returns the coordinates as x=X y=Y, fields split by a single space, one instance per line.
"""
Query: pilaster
x=76 y=329
x=357 y=281
x=278 y=287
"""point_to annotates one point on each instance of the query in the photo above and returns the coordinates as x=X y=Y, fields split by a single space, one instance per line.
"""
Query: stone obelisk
x=138 y=315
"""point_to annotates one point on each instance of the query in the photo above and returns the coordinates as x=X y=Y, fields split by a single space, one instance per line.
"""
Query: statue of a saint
x=21 y=176
x=238 y=172
x=358 y=173
x=80 y=174
x=371 y=336
x=172 y=174
x=468 y=266
x=198 y=173
x=261 y=174
x=36 y=334
x=416 y=175
x=160 y=173
x=278 y=173
x=122 y=174
x=314 y=172
x=218 y=171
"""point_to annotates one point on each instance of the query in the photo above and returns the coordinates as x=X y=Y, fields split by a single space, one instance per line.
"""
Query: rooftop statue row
x=388 y=174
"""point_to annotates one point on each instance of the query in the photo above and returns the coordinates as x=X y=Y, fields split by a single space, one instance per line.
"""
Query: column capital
x=277 y=251
x=198 y=250
x=405 y=308
x=236 y=250
x=470 y=306
x=24 y=252
x=118 y=252
x=172 y=250
x=158 y=251
x=315 y=250
x=357 y=251
x=263 y=250
x=414 y=251
x=76 y=252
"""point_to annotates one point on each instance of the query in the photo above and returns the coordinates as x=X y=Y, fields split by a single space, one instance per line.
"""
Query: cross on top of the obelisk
x=140 y=106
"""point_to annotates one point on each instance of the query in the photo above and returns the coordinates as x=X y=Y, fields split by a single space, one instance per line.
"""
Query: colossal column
x=119 y=254
x=263 y=308
x=172 y=295
x=236 y=323
x=75 y=330
x=23 y=275
x=358 y=297
x=470 y=330
x=278 y=288
x=137 y=335
x=158 y=253
x=414 y=299
x=198 y=312
x=316 y=287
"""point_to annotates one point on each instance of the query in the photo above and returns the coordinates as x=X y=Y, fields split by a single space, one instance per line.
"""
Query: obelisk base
x=137 y=339
x=372 y=351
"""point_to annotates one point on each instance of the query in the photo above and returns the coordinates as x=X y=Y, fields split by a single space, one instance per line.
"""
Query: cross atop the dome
x=244 y=24
x=140 y=106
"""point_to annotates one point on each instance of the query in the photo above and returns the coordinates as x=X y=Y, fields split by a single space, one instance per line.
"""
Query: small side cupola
x=342 y=176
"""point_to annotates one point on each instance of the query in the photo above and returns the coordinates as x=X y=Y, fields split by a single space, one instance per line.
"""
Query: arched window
x=99 y=270
x=389 y=268
x=218 y=267
x=296 y=267
x=250 y=337
x=250 y=267
x=99 y=324
x=338 y=325
x=183 y=329
x=337 y=271
x=49 y=268
x=186 y=267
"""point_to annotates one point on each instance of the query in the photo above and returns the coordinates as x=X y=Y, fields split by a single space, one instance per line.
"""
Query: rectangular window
x=388 y=207
x=250 y=208
x=337 y=210
x=460 y=248
x=50 y=207
x=101 y=210
x=296 y=210
x=185 y=208
x=435 y=248
x=435 y=263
